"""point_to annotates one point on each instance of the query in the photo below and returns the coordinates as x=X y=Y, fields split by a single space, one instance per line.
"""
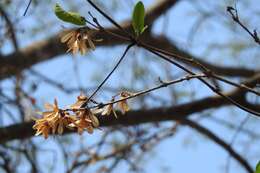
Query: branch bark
x=220 y=142
x=50 y=48
x=165 y=44
x=136 y=117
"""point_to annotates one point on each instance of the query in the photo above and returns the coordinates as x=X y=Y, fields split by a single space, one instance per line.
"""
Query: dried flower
x=42 y=127
x=109 y=108
x=76 y=40
x=87 y=121
x=123 y=106
x=94 y=120
x=64 y=121
x=81 y=99
x=52 y=120
x=55 y=119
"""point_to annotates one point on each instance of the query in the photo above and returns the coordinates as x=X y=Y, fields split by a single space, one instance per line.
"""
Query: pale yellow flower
x=52 y=120
x=78 y=40
x=55 y=119
x=81 y=99
x=86 y=121
x=123 y=106
x=109 y=108
x=42 y=127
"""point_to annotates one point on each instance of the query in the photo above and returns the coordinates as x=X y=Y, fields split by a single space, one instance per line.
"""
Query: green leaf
x=138 y=18
x=70 y=17
x=257 y=169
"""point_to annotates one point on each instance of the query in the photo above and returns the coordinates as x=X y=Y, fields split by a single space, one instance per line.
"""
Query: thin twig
x=235 y=17
x=234 y=138
x=28 y=5
x=204 y=81
x=109 y=18
x=220 y=142
x=101 y=28
x=10 y=28
x=112 y=71
x=207 y=71
x=164 y=84
x=202 y=67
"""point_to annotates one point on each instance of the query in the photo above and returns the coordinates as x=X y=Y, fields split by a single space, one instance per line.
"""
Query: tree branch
x=235 y=17
x=136 y=117
x=165 y=44
x=220 y=142
x=50 y=48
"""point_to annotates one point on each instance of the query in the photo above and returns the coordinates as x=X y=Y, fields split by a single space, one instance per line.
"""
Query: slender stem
x=101 y=28
x=112 y=71
x=220 y=142
x=206 y=71
x=237 y=20
x=28 y=5
x=239 y=128
x=164 y=84
x=205 y=82
x=242 y=86
x=203 y=68
x=109 y=18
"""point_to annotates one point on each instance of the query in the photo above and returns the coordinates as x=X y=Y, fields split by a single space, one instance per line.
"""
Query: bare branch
x=50 y=48
x=142 y=116
x=220 y=142
x=233 y=12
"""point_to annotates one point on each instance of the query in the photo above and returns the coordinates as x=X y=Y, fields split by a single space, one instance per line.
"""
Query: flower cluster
x=78 y=40
x=54 y=119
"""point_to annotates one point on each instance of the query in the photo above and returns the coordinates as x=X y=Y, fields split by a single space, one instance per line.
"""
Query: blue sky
x=186 y=151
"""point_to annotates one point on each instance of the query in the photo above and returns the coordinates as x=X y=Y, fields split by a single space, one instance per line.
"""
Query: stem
x=109 y=18
x=203 y=68
x=28 y=5
x=164 y=84
x=112 y=71
x=205 y=82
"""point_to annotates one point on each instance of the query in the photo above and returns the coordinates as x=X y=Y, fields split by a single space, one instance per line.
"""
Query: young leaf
x=70 y=17
x=138 y=18
x=257 y=170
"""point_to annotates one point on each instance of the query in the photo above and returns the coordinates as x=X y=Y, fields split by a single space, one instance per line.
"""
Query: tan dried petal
x=60 y=127
x=75 y=47
x=114 y=112
x=97 y=110
x=76 y=41
x=82 y=47
x=82 y=97
x=76 y=105
x=71 y=41
x=42 y=128
x=94 y=120
x=123 y=106
x=91 y=44
x=47 y=114
x=84 y=122
x=66 y=35
x=107 y=109
x=50 y=120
